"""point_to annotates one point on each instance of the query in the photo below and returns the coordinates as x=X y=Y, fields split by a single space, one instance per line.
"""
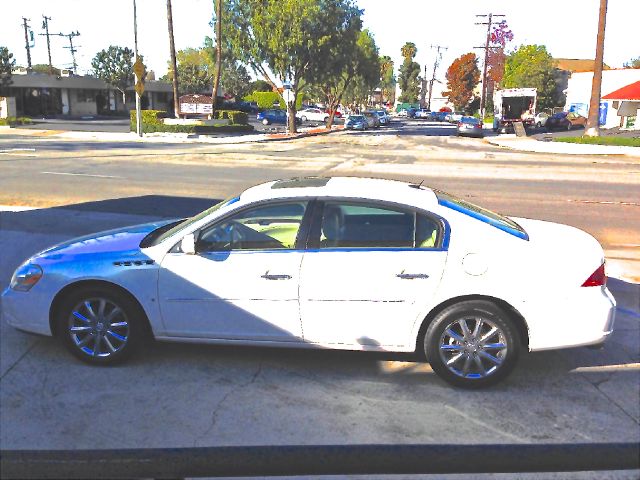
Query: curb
x=275 y=137
x=532 y=145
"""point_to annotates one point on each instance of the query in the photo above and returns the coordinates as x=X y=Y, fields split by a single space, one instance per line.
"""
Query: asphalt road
x=187 y=395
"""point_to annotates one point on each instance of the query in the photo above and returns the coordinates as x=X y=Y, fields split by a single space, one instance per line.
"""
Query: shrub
x=616 y=141
x=16 y=121
x=149 y=117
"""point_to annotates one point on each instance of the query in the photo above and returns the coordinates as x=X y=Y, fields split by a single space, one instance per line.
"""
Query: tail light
x=478 y=125
x=597 y=278
x=459 y=124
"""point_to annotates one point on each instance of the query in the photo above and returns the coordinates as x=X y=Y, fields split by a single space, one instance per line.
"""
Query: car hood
x=119 y=242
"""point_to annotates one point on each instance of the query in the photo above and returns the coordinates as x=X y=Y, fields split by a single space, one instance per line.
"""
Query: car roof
x=344 y=187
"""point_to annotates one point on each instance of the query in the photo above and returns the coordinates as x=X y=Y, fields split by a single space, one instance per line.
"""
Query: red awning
x=630 y=92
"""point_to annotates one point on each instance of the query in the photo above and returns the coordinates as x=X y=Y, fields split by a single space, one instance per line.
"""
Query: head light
x=25 y=277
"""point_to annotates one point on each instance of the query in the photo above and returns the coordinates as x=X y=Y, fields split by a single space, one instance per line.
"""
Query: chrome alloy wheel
x=98 y=327
x=473 y=347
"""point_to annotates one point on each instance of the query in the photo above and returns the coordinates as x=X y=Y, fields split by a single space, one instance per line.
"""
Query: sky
x=567 y=28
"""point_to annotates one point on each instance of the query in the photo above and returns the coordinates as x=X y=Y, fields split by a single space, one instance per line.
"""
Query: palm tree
x=216 y=80
x=409 y=50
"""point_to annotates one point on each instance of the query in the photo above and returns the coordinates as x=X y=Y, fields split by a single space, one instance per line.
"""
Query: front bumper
x=27 y=311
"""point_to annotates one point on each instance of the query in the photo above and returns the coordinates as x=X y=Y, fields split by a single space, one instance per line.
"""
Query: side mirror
x=188 y=244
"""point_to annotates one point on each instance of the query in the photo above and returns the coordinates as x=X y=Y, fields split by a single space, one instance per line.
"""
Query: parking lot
x=179 y=395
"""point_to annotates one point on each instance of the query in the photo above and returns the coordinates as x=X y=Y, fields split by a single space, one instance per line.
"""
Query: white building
x=579 y=94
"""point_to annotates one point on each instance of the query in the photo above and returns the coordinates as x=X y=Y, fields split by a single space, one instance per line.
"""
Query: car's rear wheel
x=472 y=344
x=265 y=122
x=303 y=118
x=100 y=326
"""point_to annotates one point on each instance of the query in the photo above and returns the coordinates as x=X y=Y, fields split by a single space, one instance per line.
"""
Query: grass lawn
x=617 y=141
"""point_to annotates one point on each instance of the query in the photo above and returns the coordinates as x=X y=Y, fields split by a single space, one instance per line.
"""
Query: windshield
x=193 y=219
x=487 y=216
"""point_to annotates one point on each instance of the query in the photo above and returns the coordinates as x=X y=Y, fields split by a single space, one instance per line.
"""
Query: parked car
x=454 y=117
x=313 y=114
x=565 y=121
x=372 y=119
x=422 y=113
x=371 y=264
x=407 y=112
x=385 y=119
x=470 y=126
x=270 y=116
x=356 y=122
x=439 y=116
x=337 y=114
x=540 y=119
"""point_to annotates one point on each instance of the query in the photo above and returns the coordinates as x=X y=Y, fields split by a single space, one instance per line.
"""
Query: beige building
x=39 y=95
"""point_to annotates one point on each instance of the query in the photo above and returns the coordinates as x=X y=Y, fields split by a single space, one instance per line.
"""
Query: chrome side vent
x=133 y=263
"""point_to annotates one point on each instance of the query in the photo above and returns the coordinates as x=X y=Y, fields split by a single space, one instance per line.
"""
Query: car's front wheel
x=265 y=122
x=100 y=326
x=472 y=344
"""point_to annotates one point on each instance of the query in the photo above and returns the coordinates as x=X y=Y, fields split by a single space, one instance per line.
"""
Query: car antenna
x=417 y=185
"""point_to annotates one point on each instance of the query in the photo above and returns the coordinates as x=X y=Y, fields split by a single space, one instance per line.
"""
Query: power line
x=435 y=67
x=26 y=40
x=489 y=23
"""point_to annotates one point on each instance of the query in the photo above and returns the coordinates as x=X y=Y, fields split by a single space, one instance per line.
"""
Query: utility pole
x=26 y=40
x=423 y=89
x=216 y=79
x=70 y=47
x=45 y=25
x=593 y=121
x=435 y=67
x=135 y=46
x=483 y=95
x=174 y=65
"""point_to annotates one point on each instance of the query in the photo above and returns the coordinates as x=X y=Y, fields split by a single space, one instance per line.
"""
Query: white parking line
x=17 y=152
x=16 y=208
x=81 y=174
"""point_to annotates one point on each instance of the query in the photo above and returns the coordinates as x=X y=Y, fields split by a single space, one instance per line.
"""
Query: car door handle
x=411 y=276
x=269 y=276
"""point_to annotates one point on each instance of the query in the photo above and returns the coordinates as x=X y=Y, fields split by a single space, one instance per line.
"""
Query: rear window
x=487 y=216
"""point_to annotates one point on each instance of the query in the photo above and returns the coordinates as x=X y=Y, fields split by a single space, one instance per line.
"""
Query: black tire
x=472 y=351
x=74 y=313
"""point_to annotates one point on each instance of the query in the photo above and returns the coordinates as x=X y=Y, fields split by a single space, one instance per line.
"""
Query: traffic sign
x=139 y=68
x=139 y=87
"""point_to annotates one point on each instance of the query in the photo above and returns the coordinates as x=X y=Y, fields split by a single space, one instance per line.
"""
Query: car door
x=242 y=283
x=370 y=271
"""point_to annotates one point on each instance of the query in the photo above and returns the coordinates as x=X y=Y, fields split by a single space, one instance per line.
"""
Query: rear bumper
x=586 y=318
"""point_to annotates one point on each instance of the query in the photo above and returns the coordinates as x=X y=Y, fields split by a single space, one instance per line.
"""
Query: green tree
x=6 y=64
x=288 y=39
x=532 y=66
x=463 y=76
x=409 y=77
x=115 y=66
x=633 y=63
x=367 y=71
x=260 y=86
x=44 y=68
x=387 y=79
x=195 y=71
x=234 y=77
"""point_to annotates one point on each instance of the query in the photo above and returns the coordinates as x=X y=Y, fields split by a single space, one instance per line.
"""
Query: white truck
x=514 y=105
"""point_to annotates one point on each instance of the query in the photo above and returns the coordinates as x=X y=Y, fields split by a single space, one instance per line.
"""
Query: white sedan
x=341 y=263
x=313 y=114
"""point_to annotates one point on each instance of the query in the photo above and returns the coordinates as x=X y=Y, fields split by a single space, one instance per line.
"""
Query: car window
x=357 y=225
x=267 y=227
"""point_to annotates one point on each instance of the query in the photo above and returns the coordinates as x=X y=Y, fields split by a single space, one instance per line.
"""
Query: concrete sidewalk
x=171 y=138
x=531 y=145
